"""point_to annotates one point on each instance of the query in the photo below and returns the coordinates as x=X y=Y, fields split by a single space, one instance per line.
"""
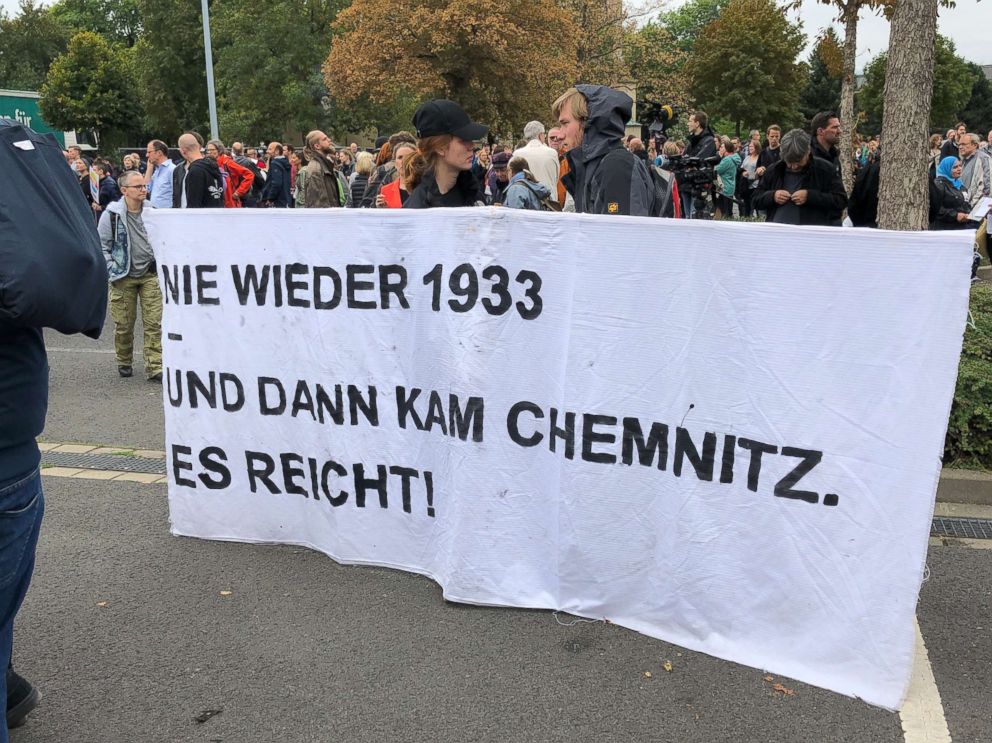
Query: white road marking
x=83 y=350
x=922 y=713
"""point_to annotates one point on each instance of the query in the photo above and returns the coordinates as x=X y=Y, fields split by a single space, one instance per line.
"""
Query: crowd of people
x=586 y=162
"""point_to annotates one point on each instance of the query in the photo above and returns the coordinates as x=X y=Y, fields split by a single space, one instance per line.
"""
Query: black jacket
x=946 y=202
x=466 y=192
x=862 y=207
x=768 y=157
x=358 y=187
x=825 y=200
x=203 y=183
x=702 y=144
x=603 y=177
x=277 y=184
x=52 y=274
x=831 y=156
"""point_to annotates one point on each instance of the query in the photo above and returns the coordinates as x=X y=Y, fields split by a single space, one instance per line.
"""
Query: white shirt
x=542 y=161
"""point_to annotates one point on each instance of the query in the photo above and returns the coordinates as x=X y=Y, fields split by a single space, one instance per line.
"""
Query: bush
x=969 y=430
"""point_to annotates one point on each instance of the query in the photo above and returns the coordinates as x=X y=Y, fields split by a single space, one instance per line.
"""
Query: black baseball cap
x=446 y=117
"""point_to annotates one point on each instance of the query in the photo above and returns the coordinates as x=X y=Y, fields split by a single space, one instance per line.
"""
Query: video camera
x=696 y=178
x=655 y=118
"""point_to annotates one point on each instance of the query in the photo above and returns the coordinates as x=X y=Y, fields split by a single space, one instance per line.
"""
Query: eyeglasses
x=142 y=187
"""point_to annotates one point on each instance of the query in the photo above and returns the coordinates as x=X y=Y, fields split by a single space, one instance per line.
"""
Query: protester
x=730 y=161
x=525 y=190
x=801 y=189
x=542 y=160
x=770 y=152
x=237 y=179
x=862 y=207
x=949 y=207
x=748 y=173
x=277 y=184
x=976 y=168
x=132 y=274
x=300 y=185
x=346 y=163
x=325 y=185
x=394 y=194
x=68 y=295
x=359 y=181
x=603 y=177
x=702 y=140
x=934 y=153
x=251 y=198
x=825 y=133
x=200 y=183
x=950 y=146
x=442 y=164
x=109 y=192
x=498 y=178
x=158 y=174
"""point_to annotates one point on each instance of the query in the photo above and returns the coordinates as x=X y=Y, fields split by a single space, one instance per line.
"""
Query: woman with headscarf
x=443 y=160
x=948 y=201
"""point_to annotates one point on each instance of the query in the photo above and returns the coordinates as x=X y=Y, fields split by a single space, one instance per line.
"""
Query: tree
x=282 y=64
x=977 y=113
x=171 y=75
x=118 y=21
x=903 y=194
x=752 y=77
x=87 y=88
x=952 y=86
x=656 y=65
x=686 y=22
x=503 y=61
x=29 y=43
x=822 y=91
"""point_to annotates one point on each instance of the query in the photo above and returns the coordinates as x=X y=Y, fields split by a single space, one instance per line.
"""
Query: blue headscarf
x=945 y=168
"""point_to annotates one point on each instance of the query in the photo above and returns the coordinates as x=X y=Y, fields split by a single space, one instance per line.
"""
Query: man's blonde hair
x=578 y=106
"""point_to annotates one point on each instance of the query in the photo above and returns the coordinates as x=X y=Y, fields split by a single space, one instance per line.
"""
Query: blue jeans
x=22 y=506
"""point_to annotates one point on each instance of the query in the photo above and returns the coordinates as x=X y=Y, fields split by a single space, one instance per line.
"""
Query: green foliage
x=88 y=88
x=29 y=43
x=656 y=64
x=822 y=91
x=270 y=82
x=686 y=22
x=969 y=430
x=952 y=86
x=751 y=77
x=170 y=67
x=118 y=21
x=977 y=113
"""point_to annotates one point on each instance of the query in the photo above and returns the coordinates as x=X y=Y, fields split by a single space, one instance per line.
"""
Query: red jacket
x=237 y=181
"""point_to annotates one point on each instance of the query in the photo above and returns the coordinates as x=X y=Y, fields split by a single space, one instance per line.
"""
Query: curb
x=971 y=487
x=965 y=486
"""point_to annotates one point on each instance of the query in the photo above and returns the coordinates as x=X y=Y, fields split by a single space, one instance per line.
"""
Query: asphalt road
x=128 y=635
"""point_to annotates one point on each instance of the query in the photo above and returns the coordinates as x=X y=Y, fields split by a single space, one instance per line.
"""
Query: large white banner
x=727 y=436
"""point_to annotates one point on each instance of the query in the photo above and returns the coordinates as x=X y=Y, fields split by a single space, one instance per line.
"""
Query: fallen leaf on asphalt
x=206 y=715
x=667 y=665
x=225 y=593
x=783 y=690
x=101 y=603
x=769 y=678
x=647 y=674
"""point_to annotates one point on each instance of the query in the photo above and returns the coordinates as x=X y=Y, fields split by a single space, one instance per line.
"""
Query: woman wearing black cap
x=440 y=172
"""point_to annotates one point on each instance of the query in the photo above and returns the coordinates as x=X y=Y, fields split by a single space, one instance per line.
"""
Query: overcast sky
x=967 y=25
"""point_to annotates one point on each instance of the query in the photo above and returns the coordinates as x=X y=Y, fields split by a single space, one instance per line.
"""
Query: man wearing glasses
x=131 y=270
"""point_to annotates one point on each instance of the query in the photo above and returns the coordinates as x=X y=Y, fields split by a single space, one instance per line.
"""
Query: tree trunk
x=848 y=118
x=903 y=194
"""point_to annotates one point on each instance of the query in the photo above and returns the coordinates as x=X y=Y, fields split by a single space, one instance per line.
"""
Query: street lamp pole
x=211 y=97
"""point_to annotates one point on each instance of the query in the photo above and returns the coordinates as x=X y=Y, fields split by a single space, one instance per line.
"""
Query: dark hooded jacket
x=831 y=156
x=203 y=183
x=825 y=197
x=466 y=192
x=277 y=184
x=603 y=177
x=702 y=144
